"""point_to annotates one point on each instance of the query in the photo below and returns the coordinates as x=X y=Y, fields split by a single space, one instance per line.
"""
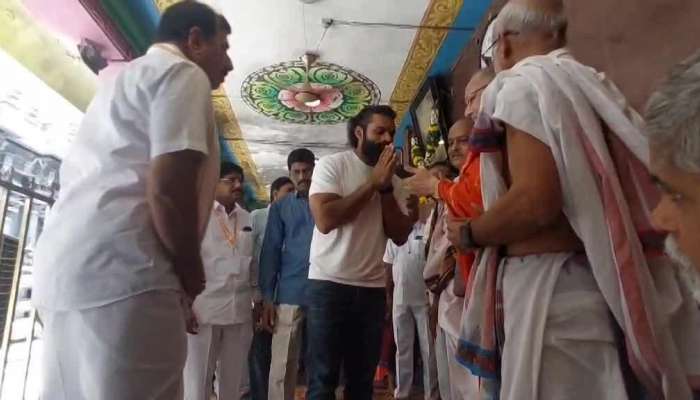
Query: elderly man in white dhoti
x=673 y=126
x=568 y=260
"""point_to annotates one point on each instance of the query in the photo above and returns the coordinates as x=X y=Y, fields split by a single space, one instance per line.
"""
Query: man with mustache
x=260 y=350
x=673 y=126
x=356 y=209
x=220 y=327
x=284 y=274
x=121 y=246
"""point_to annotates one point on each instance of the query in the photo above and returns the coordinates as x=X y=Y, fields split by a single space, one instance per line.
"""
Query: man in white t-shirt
x=356 y=209
x=122 y=242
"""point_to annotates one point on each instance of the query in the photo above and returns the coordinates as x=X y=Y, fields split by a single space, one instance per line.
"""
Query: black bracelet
x=386 y=190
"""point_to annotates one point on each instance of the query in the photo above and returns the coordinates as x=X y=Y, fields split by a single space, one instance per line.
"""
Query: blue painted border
x=471 y=14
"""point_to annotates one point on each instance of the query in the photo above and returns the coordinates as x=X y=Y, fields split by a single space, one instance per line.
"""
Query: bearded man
x=356 y=207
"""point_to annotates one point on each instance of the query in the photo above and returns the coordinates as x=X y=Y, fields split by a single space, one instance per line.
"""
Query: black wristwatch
x=386 y=190
x=466 y=238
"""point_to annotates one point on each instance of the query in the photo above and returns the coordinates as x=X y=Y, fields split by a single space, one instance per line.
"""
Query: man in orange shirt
x=463 y=197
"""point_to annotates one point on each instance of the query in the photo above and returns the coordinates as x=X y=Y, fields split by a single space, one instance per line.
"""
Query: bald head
x=472 y=93
x=543 y=6
x=527 y=28
x=461 y=126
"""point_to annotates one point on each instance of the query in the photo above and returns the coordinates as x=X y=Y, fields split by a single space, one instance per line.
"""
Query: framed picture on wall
x=425 y=111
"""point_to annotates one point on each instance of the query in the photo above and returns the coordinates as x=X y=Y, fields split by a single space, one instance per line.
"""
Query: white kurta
x=107 y=292
x=223 y=309
x=410 y=313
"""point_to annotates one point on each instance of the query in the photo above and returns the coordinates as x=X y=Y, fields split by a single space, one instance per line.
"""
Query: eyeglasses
x=230 y=181
x=485 y=54
x=472 y=95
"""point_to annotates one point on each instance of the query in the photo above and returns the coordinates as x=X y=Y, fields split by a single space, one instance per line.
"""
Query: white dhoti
x=408 y=319
x=220 y=348
x=443 y=366
x=286 y=348
x=455 y=381
x=557 y=321
x=131 y=349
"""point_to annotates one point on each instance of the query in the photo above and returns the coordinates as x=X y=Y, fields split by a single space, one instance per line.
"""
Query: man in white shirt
x=410 y=310
x=356 y=209
x=122 y=241
x=222 y=327
x=260 y=355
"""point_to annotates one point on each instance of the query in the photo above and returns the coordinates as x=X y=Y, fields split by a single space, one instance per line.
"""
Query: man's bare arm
x=173 y=201
x=534 y=200
x=332 y=211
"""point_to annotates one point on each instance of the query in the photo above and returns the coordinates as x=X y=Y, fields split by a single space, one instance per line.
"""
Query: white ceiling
x=267 y=32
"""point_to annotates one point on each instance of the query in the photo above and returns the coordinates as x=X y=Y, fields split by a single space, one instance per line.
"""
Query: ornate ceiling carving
x=342 y=92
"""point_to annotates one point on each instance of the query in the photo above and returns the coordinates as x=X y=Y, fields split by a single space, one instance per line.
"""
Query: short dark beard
x=371 y=150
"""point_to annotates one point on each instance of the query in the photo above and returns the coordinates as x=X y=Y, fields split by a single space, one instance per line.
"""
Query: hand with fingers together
x=384 y=170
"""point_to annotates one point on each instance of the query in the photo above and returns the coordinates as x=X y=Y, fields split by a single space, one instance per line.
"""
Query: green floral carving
x=261 y=91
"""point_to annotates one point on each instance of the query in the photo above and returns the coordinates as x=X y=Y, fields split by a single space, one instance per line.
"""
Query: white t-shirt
x=99 y=244
x=408 y=262
x=227 y=297
x=352 y=253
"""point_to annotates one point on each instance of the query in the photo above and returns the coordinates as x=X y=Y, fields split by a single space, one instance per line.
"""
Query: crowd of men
x=535 y=271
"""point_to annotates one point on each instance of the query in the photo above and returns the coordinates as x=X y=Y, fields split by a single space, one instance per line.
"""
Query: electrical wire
x=303 y=23
x=330 y=21
x=323 y=35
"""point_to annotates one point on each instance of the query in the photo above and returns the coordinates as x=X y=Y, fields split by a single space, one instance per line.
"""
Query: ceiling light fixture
x=306 y=95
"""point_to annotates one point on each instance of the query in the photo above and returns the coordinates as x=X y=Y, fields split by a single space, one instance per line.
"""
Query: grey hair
x=520 y=18
x=673 y=116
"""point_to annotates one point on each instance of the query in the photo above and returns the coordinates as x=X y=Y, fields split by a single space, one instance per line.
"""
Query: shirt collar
x=220 y=207
x=170 y=48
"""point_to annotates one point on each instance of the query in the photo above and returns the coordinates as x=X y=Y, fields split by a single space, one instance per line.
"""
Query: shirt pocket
x=416 y=245
x=245 y=244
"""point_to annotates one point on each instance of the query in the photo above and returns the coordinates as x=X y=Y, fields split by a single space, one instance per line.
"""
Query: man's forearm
x=332 y=214
x=513 y=218
x=173 y=202
x=397 y=225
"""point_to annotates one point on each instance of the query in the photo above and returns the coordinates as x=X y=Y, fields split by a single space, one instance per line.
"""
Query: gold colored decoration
x=230 y=129
x=40 y=52
x=231 y=132
x=163 y=4
x=423 y=51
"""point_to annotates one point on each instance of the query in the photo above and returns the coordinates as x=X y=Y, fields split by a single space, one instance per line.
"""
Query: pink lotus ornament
x=311 y=98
